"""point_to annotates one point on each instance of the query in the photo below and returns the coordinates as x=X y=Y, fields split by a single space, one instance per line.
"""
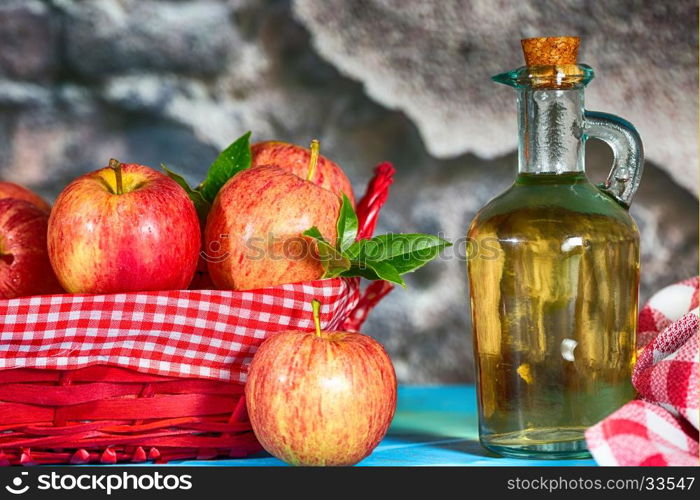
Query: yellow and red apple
x=295 y=159
x=12 y=190
x=320 y=397
x=123 y=228
x=253 y=237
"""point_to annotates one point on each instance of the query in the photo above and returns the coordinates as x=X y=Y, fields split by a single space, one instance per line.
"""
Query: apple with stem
x=12 y=190
x=295 y=159
x=253 y=237
x=320 y=397
x=24 y=261
x=123 y=228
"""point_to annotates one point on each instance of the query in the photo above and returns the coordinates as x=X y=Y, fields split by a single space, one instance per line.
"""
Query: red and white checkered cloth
x=660 y=428
x=209 y=334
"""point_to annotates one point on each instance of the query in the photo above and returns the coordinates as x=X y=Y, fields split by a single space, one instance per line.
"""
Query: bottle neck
x=550 y=123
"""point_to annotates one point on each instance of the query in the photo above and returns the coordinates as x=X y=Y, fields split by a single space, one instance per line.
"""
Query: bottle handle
x=628 y=152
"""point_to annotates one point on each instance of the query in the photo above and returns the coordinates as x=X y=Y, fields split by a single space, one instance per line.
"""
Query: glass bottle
x=555 y=274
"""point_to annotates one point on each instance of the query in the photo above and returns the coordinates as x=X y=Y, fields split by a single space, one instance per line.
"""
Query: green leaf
x=347 y=225
x=408 y=264
x=200 y=204
x=405 y=252
x=334 y=262
x=375 y=270
x=385 y=257
x=233 y=159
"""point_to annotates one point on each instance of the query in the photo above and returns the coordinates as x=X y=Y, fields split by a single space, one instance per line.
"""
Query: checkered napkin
x=209 y=334
x=660 y=428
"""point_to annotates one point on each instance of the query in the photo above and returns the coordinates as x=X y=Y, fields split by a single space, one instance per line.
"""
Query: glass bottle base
x=543 y=443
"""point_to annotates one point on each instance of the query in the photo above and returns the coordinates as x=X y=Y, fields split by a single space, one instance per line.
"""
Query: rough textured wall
x=434 y=64
x=175 y=81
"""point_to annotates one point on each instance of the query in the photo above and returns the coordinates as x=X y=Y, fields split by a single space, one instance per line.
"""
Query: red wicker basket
x=153 y=376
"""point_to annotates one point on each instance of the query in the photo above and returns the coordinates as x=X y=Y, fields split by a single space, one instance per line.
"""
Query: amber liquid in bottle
x=554 y=270
x=554 y=310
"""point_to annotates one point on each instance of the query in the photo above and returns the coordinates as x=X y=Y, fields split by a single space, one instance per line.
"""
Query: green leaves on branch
x=201 y=204
x=230 y=161
x=235 y=158
x=334 y=262
x=347 y=225
x=384 y=257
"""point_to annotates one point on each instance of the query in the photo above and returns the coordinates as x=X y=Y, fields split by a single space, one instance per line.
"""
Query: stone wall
x=175 y=81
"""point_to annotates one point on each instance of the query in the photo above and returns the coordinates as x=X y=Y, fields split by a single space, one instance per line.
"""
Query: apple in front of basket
x=321 y=397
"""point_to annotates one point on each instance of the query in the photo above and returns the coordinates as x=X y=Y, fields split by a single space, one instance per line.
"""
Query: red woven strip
x=374 y=292
x=225 y=441
x=64 y=395
x=143 y=439
x=28 y=375
x=172 y=438
x=372 y=202
x=212 y=424
x=68 y=395
x=200 y=426
x=156 y=407
x=101 y=373
x=186 y=386
x=17 y=413
x=13 y=458
x=219 y=426
x=149 y=426
x=240 y=412
x=15 y=426
x=368 y=214
x=49 y=441
x=246 y=446
x=68 y=429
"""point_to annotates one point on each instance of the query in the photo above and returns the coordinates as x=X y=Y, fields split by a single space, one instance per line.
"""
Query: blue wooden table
x=434 y=425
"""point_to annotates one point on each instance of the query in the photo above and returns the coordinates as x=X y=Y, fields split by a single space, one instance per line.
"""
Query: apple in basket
x=24 y=262
x=123 y=228
x=254 y=229
x=12 y=190
x=295 y=159
x=320 y=397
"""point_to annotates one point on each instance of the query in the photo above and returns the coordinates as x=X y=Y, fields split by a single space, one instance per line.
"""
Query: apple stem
x=117 y=167
x=315 y=147
x=316 y=307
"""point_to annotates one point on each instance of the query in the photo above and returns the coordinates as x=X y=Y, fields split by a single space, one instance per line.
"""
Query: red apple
x=296 y=159
x=24 y=261
x=123 y=228
x=320 y=398
x=253 y=237
x=11 y=190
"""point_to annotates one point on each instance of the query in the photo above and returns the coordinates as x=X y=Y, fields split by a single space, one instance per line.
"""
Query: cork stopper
x=550 y=51
x=551 y=63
